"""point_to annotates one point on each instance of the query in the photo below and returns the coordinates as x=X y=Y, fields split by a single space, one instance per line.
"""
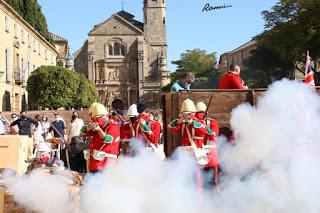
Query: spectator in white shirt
x=46 y=126
x=76 y=125
x=39 y=130
x=3 y=121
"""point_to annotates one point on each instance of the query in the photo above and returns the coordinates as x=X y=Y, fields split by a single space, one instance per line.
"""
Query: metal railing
x=19 y=76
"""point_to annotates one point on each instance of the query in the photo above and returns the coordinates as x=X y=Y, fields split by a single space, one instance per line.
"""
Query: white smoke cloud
x=41 y=192
x=143 y=184
x=275 y=160
x=273 y=167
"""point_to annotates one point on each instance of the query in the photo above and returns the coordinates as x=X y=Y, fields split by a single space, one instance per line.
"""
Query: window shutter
x=23 y=67
x=8 y=65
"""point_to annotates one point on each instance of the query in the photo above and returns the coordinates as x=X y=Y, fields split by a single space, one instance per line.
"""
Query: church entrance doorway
x=118 y=105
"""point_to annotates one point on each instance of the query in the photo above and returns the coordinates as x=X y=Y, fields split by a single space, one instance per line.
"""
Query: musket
x=207 y=110
x=64 y=140
x=117 y=114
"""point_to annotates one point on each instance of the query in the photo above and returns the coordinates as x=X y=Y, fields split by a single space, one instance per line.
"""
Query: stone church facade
x=127 y=59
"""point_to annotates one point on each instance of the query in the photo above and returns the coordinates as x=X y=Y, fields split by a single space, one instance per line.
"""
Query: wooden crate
x=14 y=152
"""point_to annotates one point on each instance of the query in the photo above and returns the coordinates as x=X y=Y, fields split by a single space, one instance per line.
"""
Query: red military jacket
x=210 y=140
x=116 y=119
x=109 y=145
x=150 y=132
x=196 y=128
x=231 y=81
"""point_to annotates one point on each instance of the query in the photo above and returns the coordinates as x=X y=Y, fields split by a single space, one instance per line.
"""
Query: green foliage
x=55 y=86
x=207 y=80
x=292 y=28
x=60 y=63
x=86 y=95
x=200 y=63
x=30 y=11
x=256 y=78
x=266 y=60
x=196 y=61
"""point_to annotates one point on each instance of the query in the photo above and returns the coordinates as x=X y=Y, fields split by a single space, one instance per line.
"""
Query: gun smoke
x=273 y=167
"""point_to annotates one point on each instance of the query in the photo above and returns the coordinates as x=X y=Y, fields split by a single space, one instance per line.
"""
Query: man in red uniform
x=105 y=138
x=232 y=79
x=193 y=132
x=210 y=143
x=116 y=118
x=139 y=127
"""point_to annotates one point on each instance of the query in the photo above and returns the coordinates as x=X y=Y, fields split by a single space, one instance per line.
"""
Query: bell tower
x=155 y=24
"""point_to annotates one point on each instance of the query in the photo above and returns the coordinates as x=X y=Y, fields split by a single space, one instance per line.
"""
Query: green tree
x=86 y=95
x=18 y=6
x=30 y=11
x=292 y=28
x=196 y=61
x=256 y=78
x=200 y=63
x=55 y=86
x=60 y=63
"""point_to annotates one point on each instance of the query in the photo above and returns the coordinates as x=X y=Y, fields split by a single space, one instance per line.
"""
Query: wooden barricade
x=223 y=102
x=14 y=151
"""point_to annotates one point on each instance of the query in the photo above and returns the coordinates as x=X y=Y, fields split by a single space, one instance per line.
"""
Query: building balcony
x=151 y=84
x=19 y=77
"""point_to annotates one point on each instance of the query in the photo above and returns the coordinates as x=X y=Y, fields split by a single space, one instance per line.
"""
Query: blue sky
x=187 y=26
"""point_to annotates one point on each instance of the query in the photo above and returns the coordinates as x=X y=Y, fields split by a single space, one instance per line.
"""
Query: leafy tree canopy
x=200 y=63
x=56 y=86
x=292 y=28
x=30 y=11
x=196 y=61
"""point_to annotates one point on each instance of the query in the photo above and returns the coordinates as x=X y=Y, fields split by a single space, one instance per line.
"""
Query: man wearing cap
x=139 y=127
x=209 y=141
x=105 y=138
x=232 y=79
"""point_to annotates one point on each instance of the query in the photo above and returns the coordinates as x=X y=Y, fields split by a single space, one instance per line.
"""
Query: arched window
x=101 y=74
x=110 y=49
x=118 y=105
x=117 y=49
x=123 y=50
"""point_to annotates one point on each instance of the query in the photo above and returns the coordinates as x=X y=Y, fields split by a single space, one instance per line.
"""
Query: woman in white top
x=46 y=126
x=38 y=131
x=76 y=125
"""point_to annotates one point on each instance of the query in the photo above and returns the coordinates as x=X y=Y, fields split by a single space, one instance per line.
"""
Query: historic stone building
x=127 y=59
x=62 y=46
x=22 y=50
x=236 y=56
